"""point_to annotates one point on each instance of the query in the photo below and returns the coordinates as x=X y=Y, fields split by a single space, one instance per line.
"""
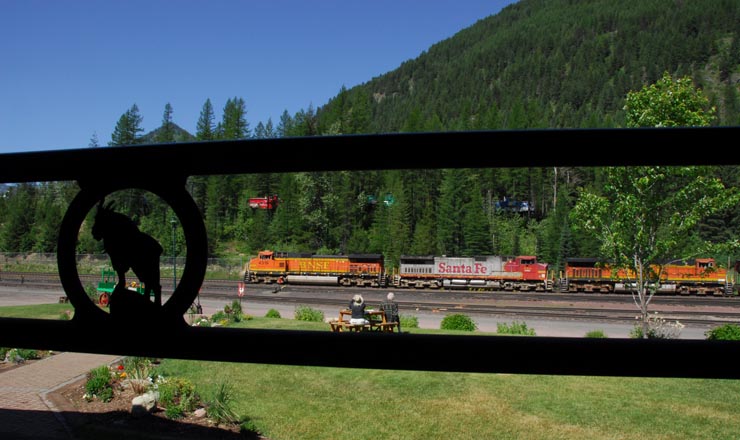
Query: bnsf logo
x=476 y=268
x=313 y=265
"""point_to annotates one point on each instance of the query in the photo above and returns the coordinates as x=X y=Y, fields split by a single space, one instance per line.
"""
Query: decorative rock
x=199 y=413
x=144 y=404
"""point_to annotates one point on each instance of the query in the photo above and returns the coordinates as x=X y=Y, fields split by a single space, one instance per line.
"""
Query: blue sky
x=70 y=69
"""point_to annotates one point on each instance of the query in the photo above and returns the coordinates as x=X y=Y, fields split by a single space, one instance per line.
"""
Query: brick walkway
x=25 y=413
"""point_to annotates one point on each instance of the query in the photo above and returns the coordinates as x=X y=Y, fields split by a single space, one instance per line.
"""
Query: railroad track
x=704 y=310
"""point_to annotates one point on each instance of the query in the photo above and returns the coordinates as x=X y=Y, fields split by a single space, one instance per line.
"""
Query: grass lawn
x=303 y=403
x=38 y=311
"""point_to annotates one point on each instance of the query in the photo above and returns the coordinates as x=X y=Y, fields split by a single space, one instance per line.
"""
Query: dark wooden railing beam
x=167 y=166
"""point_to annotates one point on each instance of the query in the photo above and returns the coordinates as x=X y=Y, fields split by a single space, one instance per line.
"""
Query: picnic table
x=376 y=322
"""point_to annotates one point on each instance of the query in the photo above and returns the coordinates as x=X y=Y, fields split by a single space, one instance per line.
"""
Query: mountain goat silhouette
x=129 y=248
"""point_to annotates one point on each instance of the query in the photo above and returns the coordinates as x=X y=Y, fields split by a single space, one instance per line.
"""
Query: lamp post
x=173 y=222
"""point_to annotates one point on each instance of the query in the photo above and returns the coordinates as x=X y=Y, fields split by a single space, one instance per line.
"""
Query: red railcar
x=267 y=202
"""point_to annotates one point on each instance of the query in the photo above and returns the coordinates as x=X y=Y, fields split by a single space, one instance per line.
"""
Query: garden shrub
x=515 y=328
x=726 y=332
x=458 y=321
x=99 y=384
x=658 y=328
x=236 y=311
x=272 y=313
x=178 y=396
x=305 y=313
x=408 y=321
x=596 y=334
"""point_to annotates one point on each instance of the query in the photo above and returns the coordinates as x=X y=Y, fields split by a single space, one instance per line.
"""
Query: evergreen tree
x=94 y=143
x=205 y=130
x=270 y=132
x=128 y=128
x=259 y=131
x=453 y=197
x=285 y=126
x=166 y=132
x=234 y=124
x=475 y=226
x=19 y=219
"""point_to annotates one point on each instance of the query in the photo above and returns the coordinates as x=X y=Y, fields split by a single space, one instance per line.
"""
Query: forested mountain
x=538 y=63
x=551 y=63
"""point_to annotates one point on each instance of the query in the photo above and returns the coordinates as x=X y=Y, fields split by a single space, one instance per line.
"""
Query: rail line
x=705 y=311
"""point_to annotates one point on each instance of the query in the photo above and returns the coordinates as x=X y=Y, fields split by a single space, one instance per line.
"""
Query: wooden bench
x=386 y=327
x=345 y=326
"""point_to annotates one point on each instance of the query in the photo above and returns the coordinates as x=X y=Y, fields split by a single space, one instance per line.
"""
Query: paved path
x=25 y=412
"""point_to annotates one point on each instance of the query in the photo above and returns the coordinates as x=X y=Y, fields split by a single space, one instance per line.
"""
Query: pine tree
x=94 y=143
x=19 y=219
x=475 y=227
x=450 y=236
x=128 y=128
x=205 y=130
x=234 y=124
x=166 y=133
x=285 y=126
x=259 y=131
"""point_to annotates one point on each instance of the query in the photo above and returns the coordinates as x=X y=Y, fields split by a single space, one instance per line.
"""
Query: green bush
x=178 y=396
x=516 y=328
x=458 y=322
x=726 y=332
x=305 y=313
x=236 y=311
x=272 y=313
x=408 y=321
x=220 y=317
x=92 y=293
x=596 y=334
x=29 y=353
x=174 y=412
x=99 y=384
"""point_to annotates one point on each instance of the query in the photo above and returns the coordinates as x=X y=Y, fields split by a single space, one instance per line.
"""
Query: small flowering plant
x=120 y=372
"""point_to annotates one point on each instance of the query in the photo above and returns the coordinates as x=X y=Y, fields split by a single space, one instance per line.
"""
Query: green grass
x=286 y=402
x=303 y=403
x=38 y=311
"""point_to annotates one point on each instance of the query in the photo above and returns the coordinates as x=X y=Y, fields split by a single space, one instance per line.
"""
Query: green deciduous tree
x=644 y=214
x=668 y=103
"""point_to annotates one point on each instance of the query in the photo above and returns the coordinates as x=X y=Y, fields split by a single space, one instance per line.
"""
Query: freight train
x=492 y=272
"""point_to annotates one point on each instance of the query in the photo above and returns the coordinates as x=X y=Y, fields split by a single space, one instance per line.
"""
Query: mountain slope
x=551 y=63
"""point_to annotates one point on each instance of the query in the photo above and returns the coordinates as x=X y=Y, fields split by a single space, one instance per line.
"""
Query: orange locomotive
x=295 y=268
x=701 y=277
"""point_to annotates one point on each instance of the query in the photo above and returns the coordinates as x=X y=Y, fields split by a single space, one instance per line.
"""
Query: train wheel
x=103 y=299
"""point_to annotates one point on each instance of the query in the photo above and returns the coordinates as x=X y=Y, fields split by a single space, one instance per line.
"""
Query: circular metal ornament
x=195 y=237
